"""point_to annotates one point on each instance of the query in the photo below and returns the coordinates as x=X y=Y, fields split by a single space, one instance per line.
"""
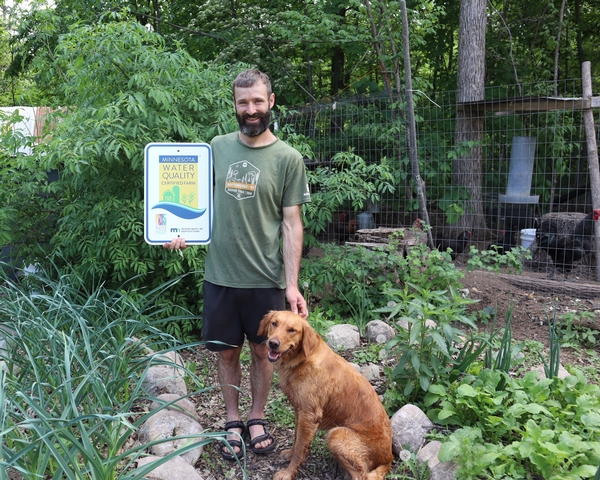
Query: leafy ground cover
x=69 y=317
x=529 y=327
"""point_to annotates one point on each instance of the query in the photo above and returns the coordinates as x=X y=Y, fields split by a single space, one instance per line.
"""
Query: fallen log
x=545 y=285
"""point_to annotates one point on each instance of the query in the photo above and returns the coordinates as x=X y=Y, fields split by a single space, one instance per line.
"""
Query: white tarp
x=31 y=125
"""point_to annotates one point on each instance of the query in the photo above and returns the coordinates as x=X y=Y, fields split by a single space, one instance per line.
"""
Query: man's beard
x=254 y=130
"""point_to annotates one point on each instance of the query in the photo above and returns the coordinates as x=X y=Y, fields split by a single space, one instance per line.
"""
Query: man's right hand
x=178 y=243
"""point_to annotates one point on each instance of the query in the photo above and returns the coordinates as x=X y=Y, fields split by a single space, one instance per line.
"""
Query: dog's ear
x=263 y=328
x=310 y=339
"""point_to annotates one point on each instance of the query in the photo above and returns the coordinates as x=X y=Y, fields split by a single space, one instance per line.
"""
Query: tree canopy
x=317 y=49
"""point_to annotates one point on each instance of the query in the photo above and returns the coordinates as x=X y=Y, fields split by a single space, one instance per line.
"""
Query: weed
x=370 y=354
x=409 y=468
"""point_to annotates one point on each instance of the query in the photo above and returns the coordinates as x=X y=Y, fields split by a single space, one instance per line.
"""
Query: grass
x=72 y=383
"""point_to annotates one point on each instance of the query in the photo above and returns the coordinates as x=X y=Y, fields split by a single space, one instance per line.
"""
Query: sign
x=178 y=195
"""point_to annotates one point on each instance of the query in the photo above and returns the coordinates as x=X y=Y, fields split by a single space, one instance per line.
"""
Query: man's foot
x=234 y=441
x=261 y=440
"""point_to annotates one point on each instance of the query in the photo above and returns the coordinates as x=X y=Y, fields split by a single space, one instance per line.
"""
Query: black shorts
x=230 y=314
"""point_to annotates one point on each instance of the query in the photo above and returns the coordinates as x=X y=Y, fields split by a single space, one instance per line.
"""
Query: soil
x=530 y=313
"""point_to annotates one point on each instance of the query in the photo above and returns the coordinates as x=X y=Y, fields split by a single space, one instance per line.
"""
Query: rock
x=539 y=369
x=176 y=468
x=377 y=331
x=404 y=324
x=166 y=424
x=409 y=426
x=181 y=405
x=438 y=470
x=168 y=357
x=370 y=371
x=343 y=336
x=164 y=379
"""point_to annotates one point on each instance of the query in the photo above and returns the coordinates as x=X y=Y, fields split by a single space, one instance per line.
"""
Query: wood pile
x=380 y=237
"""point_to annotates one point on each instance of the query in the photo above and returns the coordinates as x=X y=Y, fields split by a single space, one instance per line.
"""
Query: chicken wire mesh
x=532 y=152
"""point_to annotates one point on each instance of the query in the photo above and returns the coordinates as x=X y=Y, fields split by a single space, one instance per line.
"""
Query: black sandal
x=228 y=454
x=261 y=438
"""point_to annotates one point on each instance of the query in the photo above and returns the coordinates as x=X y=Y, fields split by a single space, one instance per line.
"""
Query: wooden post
x=411 y=125
x=592 y=151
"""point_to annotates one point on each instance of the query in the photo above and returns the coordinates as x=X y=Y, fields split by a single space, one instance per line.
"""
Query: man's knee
x=230 y=356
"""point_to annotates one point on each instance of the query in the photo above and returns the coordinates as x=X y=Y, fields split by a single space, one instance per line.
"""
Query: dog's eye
x=291 y=330
x=273 y=324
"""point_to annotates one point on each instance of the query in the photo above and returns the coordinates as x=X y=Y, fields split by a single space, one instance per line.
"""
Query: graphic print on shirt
x=242 y=179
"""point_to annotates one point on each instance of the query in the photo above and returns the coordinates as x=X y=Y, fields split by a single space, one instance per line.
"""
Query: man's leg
x=230 y=373
x=261 y=377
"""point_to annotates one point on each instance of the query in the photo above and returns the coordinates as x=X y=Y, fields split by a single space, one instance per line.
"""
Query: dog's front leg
x=306 y=428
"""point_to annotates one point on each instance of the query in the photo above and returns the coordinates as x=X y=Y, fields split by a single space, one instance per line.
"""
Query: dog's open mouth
x=274 y=356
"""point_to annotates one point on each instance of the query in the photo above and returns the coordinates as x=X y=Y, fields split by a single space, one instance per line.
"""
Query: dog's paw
x=286 y=454
x=283 y=475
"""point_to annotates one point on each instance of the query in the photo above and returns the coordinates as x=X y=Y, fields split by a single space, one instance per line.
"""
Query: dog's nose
x=273 y=344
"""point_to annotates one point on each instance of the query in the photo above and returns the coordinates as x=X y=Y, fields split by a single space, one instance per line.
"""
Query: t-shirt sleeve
x=296 y=190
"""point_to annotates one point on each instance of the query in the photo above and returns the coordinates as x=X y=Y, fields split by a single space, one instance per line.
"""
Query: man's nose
x=251 y=108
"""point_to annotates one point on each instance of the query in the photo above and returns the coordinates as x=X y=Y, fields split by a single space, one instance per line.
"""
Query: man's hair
x=249 y=78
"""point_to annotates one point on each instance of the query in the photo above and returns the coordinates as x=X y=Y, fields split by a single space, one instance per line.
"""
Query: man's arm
x=293 y=234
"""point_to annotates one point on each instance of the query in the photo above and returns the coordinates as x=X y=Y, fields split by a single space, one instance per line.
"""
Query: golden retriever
x=327 y=393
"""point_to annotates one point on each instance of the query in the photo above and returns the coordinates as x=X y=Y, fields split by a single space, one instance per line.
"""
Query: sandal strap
x=234 y=443
x=257 y=421
x=262 y=438
x=235 y=424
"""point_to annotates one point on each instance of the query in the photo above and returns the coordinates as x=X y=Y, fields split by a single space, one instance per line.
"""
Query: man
x=254 y=257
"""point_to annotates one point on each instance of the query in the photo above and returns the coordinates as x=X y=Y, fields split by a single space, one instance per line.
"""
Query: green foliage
x=371 y=354
x=549 y=428
x=501 y=360
x=410 y=467
x=552 y=366
x=573 y=332
x=428 y=347
x=349 y=182
x=73 y=367
x=429 y=269
x=494 y=261
x=321 y=319
x=352 y=274
x=124 y=89
x=361 y=277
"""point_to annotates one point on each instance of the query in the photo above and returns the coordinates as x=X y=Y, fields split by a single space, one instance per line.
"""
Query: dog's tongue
x=274 y=356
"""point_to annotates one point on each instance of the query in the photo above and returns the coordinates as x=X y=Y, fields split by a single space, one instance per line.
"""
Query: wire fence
x=533 y=158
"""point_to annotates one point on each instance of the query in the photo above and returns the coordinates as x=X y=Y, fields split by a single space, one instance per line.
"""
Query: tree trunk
x=466 y=169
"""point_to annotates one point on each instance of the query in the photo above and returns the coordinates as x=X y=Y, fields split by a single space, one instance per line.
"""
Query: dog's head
x=288 y=334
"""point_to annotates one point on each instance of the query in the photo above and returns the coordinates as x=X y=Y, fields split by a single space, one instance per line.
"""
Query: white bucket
x=527 y=237
x=365 y=221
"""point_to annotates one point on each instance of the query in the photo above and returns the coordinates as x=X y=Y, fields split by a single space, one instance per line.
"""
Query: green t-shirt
x=252 y=185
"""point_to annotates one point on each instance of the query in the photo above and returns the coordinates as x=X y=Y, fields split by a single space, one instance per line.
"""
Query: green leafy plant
x=350 y=182
x=354 y=274
x=494 y=261
x=502 y=358
x=545 y=427
x=573 y=333
x=370 y=354
x=410 y=468
x=552 y=366
x=129 y=89
x=427 y=345
x=322 y=320
x=74 y=363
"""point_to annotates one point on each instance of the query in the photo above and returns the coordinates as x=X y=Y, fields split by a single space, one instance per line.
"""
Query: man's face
x=253 y=109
